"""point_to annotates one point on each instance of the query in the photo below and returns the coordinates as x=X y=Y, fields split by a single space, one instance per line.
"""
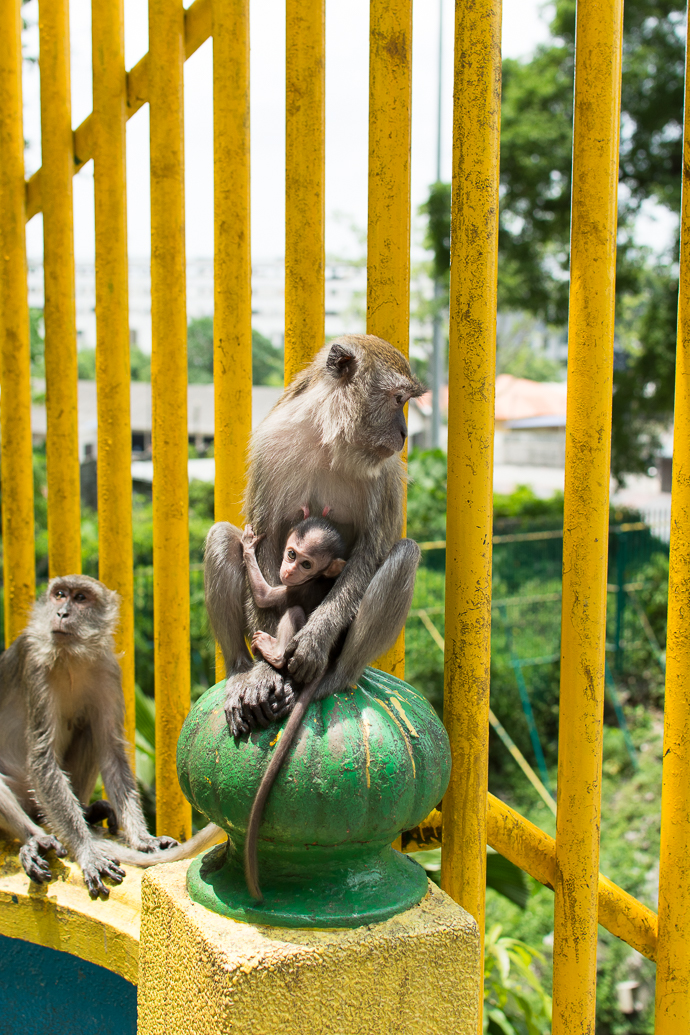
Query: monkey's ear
x=334 y=568
x=342 y=361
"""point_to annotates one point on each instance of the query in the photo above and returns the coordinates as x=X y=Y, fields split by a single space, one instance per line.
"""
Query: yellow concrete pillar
x=203 y=973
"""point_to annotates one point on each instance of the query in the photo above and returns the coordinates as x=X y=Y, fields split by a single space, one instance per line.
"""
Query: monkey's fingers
x=167 y=842
x=94 y=884
x=236 y=724
x=36 y=868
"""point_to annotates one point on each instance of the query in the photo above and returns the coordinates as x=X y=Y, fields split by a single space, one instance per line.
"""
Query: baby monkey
x=312 y=559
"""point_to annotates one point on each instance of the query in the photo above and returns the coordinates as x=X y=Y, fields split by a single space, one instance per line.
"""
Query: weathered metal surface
x=305 y=177
x=388 y=225
x=474 y=242
x=586 y=511
x=369 y=762
x=232 y=311
x=673 y=959
x=169 y=408
x=62 y=438
x=115 y=550
x=15 y=364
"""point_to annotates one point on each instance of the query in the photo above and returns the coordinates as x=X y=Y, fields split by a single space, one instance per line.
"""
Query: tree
x=267 y=360
x=534 y=228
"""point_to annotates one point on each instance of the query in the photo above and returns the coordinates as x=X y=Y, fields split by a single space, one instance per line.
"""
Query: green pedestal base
x=302 y=890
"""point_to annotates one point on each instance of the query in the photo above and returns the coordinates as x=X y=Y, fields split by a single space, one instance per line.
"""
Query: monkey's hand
x=33 y=854
x=148 y=843
x=257 y=698
x=307 y=656
x=249 y=540
x=96 y=865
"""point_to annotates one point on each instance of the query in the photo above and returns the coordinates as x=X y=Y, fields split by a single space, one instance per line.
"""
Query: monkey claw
x=367 y=763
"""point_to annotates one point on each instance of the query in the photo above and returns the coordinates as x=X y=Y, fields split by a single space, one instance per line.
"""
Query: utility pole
x=437 y=349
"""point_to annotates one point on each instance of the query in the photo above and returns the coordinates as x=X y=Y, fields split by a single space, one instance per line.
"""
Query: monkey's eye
x=80 y=597
x=291 y=555
x=60 y=593
x=306 y=564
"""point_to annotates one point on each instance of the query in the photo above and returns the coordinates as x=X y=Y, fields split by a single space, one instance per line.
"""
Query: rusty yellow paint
x=15 y=364
x=586 y=511
x=197 y=22
x=474 y=242
x=305 y=171
x=62 y=436
x=115 y=550
x=62 y=915
x=388 y=227
x=673 y=961
x=169 y=408
x=232 y=320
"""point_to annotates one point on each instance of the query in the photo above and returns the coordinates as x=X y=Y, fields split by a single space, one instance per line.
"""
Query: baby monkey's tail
x=251 y=862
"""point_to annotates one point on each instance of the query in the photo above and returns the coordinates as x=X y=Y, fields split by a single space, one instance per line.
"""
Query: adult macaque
x=333 y=440
x=311 y=561
x=61 y=715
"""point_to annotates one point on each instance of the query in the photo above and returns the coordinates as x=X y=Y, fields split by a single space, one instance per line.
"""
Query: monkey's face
x=69 y=605
x=79 y=610
x=373 y=383
x=305 y=560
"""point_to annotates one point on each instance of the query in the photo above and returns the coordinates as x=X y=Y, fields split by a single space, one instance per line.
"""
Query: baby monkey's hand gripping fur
x=61 y=716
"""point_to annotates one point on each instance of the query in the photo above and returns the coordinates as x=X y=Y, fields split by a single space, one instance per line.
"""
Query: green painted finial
x=368 y=763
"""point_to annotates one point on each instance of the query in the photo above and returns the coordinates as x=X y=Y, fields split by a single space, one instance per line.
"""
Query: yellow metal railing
x=570 y=863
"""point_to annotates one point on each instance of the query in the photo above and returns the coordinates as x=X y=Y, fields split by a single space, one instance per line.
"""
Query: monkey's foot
x=97 y=811
x=33 y=854
x=268 y=648
x=97 y=866
x=152 y=844
x=256 y=698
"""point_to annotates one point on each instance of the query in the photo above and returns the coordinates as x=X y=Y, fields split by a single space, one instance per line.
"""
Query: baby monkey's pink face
x=306 y=559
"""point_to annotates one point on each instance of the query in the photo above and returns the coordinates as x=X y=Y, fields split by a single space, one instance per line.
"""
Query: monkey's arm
x=56 y=799
x=264 y=595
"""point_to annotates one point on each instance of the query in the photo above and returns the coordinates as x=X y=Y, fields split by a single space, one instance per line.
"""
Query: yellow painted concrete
x=202 y=973
x=61 y=914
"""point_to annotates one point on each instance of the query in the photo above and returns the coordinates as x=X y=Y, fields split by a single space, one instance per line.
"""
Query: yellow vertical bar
x=62 y=438
x=388 y=230
x=115 y=552
x=673 y=950
x=472 y=371
x=304 y=182
x=15 y=362
x=169 y=407
x=232 y=321
x=585 y=521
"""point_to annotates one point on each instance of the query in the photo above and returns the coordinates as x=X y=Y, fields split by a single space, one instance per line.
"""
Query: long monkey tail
x=251 y=862
x=201 y=840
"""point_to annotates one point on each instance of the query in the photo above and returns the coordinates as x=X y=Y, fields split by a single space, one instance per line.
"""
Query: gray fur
x=61 y=722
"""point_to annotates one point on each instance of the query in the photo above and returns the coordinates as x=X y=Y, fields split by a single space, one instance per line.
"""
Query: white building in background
x=345 y=297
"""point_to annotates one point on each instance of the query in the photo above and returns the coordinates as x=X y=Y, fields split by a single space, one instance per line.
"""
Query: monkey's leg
x=379 y=619
x=273 y=647
x=97 y=811
x=36 y=843
x=224 y=580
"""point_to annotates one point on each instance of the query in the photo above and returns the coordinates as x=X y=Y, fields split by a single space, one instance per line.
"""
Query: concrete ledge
x=61 y=914
x=202 y=973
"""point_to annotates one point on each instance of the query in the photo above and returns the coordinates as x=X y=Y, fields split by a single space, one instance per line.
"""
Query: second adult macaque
x=312 y=559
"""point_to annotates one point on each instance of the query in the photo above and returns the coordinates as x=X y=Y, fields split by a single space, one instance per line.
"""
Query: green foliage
x=267 y=360
x=426 y=495
x=437 y=238
x=515 y=1002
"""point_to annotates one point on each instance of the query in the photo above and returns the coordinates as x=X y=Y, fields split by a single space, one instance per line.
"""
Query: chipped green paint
x=357 y=776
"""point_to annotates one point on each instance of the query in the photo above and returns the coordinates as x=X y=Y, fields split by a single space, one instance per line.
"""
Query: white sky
x=524 y=26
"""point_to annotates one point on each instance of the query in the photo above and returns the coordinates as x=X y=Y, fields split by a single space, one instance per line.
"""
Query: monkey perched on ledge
x=333 y=439
x=61 y=715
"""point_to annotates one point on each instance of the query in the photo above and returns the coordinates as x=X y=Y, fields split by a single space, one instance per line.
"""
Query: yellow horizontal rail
x=197 y=29
x=534 y=851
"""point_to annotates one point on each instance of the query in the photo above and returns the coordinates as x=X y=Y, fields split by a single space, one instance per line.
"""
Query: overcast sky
x=347 y=22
